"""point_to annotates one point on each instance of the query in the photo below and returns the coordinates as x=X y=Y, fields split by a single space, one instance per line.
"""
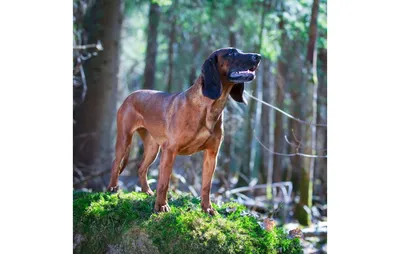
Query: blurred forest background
x=268 y=157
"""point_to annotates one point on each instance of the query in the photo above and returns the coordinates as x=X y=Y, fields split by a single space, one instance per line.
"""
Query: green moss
x=123 y=222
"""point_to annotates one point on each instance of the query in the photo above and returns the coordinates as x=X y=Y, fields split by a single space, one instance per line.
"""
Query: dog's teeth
x=248 y=71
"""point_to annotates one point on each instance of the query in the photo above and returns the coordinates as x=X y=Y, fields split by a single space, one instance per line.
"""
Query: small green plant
x=126 y=221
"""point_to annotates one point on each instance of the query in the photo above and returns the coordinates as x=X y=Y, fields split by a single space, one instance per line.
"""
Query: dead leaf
x=295 y=233
x=269 y=224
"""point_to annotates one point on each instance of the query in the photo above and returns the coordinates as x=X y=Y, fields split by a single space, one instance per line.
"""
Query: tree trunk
x=255 y=147
x=95 y=117
x=231 y=21
x=321 y=164
x=295 y=134
x=228 y=144
x=171 y=44
x=265 y=124
x=196 y=45
x=295 y=131
x=269 y=123
x=278 y=131
x=247 y=164
x=306 y=185
x=151 y=50
x=280 y=94
x=271 y=119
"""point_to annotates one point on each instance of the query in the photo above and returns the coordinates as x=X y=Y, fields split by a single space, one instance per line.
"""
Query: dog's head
x=231 y=66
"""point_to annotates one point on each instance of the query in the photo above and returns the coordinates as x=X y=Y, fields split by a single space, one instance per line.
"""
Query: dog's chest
x=195 y=140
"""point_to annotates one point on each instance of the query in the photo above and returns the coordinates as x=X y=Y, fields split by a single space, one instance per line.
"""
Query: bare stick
x=83 y=77
x=97 y=46
x=295 y=137
x=280 y=110
x=90 y=177
x=290 y=154
x=301 y=146
x=290 y=143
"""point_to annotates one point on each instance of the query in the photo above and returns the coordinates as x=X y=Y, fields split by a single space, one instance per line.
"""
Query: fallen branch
x=90 y=177
x=285 y=187
x=103 y=172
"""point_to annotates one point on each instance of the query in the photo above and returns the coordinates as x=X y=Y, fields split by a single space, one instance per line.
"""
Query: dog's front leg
x=167 y=161
x=209 y=164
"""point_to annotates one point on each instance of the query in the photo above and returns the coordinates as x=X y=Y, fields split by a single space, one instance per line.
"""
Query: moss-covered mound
x=125 y=223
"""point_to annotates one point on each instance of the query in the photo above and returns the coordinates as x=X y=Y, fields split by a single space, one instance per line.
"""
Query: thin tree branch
x=100 y=173
x=300 y=146
x=290 y=154
x=97 y=46
x=295 y=137
x=79 y=172
x=287 y=141
x=90 y=177
x=281 y=111
x=83 y=78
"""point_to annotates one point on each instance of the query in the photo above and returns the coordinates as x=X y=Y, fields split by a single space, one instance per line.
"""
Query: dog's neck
x=214 y=108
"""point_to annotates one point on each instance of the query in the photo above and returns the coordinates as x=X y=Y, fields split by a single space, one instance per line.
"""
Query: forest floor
x=315 y=235
x=125 y=223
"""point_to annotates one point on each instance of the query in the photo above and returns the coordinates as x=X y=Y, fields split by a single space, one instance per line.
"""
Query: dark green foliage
x=109 y=219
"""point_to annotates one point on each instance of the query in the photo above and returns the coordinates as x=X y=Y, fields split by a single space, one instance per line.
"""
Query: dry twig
x=97 y=46
x=281 y=111
x=290 y=154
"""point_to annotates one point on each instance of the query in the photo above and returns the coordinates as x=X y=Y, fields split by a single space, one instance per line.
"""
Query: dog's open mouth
x=243 y=76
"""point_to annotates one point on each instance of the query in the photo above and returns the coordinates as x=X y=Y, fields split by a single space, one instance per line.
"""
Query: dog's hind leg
x=151 y=149
x=125 y=132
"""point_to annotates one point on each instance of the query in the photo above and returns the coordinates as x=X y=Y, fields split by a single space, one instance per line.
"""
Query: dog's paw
x=161 y=208
x=211 y=211
x=208 y=209
x=113 y=189
x=148 y=192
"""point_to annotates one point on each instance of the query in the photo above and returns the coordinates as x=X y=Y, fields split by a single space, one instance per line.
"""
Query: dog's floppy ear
x=211 y=87
x=237 y=93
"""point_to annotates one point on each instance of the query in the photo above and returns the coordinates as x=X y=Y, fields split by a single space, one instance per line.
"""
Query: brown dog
x=182 y=123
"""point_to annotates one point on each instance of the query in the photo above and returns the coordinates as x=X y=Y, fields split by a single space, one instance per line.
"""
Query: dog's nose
x=256 y=57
